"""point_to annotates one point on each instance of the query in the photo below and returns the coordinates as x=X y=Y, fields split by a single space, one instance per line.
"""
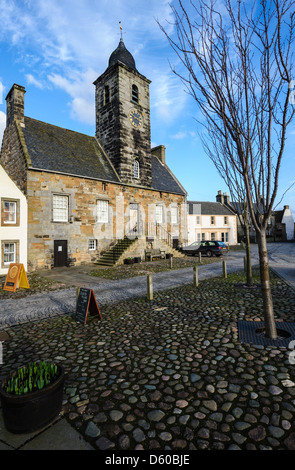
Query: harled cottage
x=86 y=193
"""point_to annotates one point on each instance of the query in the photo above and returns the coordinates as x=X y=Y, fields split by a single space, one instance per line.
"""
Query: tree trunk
x=248 y=255
x=269 y=323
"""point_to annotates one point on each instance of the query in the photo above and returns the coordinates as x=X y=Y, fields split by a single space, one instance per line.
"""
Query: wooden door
x=60 y=253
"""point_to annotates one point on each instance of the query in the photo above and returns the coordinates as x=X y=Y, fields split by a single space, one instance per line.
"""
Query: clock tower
x=123 y=118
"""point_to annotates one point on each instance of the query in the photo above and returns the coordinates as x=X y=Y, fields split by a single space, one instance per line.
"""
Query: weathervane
x=121 y=29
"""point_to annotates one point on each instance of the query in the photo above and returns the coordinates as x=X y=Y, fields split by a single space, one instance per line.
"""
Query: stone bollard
x=150 y=287
x=77 y=293
x=200 y=257
x=171 y=262
x=224 y=269
x=196 y=277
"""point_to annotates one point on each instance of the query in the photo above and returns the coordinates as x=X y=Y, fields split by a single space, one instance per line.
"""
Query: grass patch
x=37 y=284
x=125 y=271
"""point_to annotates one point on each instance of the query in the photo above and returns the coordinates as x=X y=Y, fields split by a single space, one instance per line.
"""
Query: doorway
x=133 y=219
x=60 y=253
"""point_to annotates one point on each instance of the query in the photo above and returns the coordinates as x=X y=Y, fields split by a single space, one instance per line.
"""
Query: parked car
x=208 y=248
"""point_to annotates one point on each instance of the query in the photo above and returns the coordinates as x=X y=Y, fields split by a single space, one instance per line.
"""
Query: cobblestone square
x=171 y=374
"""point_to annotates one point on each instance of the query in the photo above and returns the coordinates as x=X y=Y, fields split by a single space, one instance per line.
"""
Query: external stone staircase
x=130 y=247
x=112 y=256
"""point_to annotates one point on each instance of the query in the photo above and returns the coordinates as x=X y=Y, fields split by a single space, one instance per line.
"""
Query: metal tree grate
x=249 y=333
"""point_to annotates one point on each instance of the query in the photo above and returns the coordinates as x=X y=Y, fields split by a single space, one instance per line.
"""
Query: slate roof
x=163 y=179
x=121 y=54
x=60 y=150
x=279 y=216
x=238 y=207
x=208 y=208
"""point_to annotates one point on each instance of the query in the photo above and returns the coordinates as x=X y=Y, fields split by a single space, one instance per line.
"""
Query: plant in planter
x=32 y=396
x=129 y=260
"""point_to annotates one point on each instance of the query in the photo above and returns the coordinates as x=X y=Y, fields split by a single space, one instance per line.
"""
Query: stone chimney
x=286 y=207
x=159 y=152
x=220 y=197
x=226 y=199
x=15 y=104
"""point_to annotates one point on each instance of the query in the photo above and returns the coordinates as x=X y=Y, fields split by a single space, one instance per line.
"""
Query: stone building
x=86 y=193
x=13 y=224
x=283 y=229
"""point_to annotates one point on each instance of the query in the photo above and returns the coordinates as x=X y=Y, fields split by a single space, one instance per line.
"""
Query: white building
x=211 y=221
x=13 y=225
x=284 y=224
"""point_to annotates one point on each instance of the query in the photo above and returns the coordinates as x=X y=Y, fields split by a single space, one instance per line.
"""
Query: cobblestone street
x=170 y=373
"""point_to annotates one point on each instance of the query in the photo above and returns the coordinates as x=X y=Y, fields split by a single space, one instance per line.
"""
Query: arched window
x=106 y=97
x=134 y=94
x=136 y=169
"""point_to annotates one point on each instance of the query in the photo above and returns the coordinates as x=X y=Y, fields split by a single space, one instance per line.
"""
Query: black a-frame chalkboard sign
x=86 y=303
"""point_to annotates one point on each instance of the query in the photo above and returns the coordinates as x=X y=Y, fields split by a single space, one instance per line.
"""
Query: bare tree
x=236 y=62
x=220 y=153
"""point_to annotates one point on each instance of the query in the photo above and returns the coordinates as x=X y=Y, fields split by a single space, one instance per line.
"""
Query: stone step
x=110 y=257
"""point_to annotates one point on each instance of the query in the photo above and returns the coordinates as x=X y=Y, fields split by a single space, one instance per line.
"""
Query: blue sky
x=56 y=49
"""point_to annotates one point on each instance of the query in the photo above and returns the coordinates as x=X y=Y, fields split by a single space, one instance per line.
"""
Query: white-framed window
x=159 y=214
x=174 y=215
x=212 y=220
x=225 y=220
x=9 y=253
x=60 y=205
x=213 y=236
x=198 y=237
x=102 y=211
x=136 y=169
x=224 y=237
x=9 y=212
x=198 y=220
x=92 y=245
x=203 y=237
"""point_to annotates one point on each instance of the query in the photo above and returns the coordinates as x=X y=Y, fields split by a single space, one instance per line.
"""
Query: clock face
x=136 y=118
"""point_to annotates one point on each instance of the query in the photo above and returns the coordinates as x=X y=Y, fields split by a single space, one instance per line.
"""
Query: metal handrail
x=159 y=231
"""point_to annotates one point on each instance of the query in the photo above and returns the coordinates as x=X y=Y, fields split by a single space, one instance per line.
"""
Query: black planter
x=32 y=411
x=129 y=261
x=137 y=259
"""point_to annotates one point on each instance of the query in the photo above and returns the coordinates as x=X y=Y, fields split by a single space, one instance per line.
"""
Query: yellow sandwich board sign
x=16 y=277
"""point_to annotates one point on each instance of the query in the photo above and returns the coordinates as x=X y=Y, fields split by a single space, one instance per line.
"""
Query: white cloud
x=81 y=90
x=167 y=97
x=2 y=125
x=179 y=135
x=64 y=41
x=33 y=81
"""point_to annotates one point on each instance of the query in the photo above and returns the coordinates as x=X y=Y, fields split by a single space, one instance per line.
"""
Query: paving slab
x=60 y=436
x=57 y=436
